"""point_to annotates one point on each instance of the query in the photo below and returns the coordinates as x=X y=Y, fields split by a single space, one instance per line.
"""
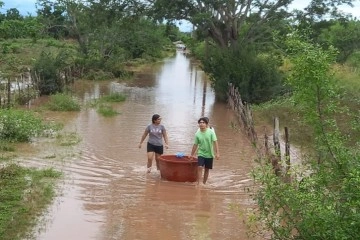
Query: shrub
x=106 y=111
x=256 y=76
x=114 y=97
x=321 y=202
x=62 y=102
x=19 y=125
x=49 y=69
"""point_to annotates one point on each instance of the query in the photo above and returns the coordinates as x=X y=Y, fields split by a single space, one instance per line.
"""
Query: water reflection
x=107 y=193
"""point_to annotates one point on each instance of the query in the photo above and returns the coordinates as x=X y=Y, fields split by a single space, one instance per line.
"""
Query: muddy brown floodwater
x=106 y=193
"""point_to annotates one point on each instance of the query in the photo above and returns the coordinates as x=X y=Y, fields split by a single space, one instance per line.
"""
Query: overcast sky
x=28 y=6
x=24 y=6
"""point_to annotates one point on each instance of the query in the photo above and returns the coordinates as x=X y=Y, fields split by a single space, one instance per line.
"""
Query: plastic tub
x=178 y=169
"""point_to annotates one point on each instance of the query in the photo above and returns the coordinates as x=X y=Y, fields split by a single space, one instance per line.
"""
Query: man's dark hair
x=204 y=119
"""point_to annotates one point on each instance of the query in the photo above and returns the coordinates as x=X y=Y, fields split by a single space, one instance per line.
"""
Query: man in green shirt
x=206 y=144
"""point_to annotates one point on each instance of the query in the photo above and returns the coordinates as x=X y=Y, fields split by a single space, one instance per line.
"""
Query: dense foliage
x=29 y=27
x=256 y=76
x=63 y=102
x=107 y=36
x=48 y=69
x=19 y=125
x=322 y=199
x=231 y=28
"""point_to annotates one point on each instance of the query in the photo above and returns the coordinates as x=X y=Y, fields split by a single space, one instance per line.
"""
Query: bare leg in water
x=157 y=156
x=200 y=169
x=206 y=175
x=150 y=156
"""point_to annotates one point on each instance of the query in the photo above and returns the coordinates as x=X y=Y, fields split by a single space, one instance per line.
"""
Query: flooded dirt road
x=106 y=193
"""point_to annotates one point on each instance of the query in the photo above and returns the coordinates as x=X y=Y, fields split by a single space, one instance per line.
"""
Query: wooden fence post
x=276 y=137
x=287 y=149
x=8 y=93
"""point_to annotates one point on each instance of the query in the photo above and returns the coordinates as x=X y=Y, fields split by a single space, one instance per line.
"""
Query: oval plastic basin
x=178 y=169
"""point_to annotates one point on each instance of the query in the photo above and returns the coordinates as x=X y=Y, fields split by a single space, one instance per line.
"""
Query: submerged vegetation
x=113 y=97
x=104 y=104
x=63 y=102
x=106 y=110
x=68 y=139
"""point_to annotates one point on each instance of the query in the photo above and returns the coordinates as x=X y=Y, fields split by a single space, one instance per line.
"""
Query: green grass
x=103 y=105
x=350 y=88
x=106 y=110
x=113 y=97
x=290 y=116
x=24 y=195
x=7 y=151
x=68 y=139
x=349 y=80
x=23 y=52
x=63 y=102
x=6 y=146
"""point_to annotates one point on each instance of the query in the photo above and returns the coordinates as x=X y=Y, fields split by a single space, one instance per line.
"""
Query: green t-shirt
x=205 y=141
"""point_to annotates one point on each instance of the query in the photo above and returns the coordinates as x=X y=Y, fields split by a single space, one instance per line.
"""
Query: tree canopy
x=225 y=21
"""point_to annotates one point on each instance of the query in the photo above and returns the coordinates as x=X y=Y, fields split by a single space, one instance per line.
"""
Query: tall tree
x=317 y=9
x=52 y=15
x=87 y=20
x=2 y=16
x=223 y=20
x=13 y=14
x=345 y=36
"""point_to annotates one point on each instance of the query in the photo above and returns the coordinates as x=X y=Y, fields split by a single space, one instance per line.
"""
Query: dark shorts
x=154 y=148
x=207 y=162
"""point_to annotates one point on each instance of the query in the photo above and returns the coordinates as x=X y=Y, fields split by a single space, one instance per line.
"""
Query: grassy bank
x=25 y=192
x=22 y=53
x=24 y=195
x=290 y=116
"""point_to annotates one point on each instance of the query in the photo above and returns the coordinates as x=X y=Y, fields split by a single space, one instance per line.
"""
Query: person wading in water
x=156 y=133
x=206 y=145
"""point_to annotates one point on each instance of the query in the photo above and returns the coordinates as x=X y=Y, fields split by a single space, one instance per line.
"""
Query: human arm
x=216 y=149
x=166 y=139
x=146 y=132
x=193 y=151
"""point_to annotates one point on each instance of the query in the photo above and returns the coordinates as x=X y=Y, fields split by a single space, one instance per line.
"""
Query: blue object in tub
x=180 y=155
